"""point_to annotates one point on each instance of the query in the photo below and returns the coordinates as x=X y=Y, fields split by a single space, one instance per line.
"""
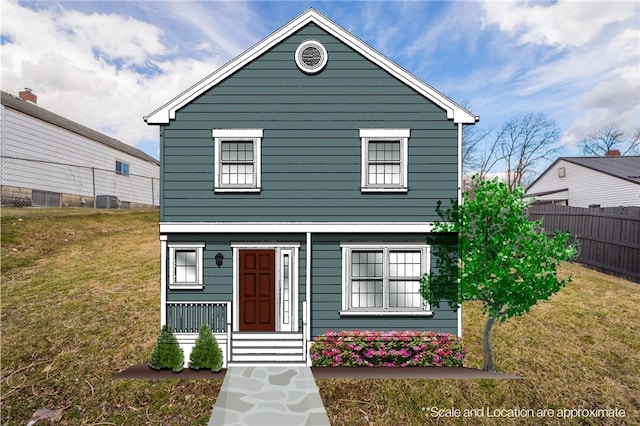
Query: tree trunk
x=487 y=351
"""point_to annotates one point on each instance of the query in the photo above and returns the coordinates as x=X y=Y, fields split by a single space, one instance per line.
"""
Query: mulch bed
x=143 y=371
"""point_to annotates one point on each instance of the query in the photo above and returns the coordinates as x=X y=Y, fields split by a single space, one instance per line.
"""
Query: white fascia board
x=294 y=227
x=168 y=111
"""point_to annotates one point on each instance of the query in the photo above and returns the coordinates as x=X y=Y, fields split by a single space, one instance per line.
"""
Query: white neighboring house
x=48 y=160
x=609 y=181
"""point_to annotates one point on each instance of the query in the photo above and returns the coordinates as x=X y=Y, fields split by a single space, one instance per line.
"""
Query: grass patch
x=580 y=350
x=80 y=301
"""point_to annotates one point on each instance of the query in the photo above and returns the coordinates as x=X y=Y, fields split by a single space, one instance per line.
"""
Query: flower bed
x=387 y=349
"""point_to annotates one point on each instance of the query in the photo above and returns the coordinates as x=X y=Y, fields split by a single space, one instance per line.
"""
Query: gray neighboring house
x=299 y=185
x=49 y=160
x=609 y=181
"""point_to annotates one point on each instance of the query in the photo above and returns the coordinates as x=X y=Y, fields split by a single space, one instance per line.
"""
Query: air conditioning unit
x=107 y=202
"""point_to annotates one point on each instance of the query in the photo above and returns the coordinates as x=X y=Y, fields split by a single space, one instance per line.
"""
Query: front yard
x=80 y=302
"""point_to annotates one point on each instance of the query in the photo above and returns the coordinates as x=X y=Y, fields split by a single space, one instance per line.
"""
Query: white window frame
x=199 y=250
x=238 y=135
x=348 y=248
x=381 y=135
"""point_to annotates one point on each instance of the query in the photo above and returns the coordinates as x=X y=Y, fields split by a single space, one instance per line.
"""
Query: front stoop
x=265 y=396
x=271 y=348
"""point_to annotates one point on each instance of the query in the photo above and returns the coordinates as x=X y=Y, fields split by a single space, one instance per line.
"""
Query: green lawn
x=80 y=301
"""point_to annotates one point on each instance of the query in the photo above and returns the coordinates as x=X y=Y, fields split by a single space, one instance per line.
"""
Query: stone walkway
x=265 y=396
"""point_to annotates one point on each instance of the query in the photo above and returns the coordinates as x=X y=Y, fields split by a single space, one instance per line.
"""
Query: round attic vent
x=311 y=56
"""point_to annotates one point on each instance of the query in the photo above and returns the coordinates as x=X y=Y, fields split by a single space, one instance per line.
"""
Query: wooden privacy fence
x=609 y=237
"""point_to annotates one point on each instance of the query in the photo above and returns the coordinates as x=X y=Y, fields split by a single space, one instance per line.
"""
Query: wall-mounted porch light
x=219 y=258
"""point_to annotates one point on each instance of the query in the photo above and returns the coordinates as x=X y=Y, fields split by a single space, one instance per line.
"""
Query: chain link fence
x=27 y=182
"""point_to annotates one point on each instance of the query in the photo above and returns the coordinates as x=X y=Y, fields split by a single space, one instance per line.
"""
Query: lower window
x=185 y=265
x=383 y=279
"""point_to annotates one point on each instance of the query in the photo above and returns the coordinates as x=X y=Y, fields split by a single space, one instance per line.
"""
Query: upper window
x=122 y=168
x=311 y=56
x=237 y=159
x=383 y=279
x=186 y=265
x=384 y=159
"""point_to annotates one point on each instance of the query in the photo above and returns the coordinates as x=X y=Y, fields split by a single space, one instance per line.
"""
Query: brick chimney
x=29 y=96
x=612 y=153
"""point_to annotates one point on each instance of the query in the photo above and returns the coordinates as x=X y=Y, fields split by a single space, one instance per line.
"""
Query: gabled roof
x=625 y=168
x=454 y=111
x=40 y=113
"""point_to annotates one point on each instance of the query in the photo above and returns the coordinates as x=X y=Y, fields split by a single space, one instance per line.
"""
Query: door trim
x=294 y=250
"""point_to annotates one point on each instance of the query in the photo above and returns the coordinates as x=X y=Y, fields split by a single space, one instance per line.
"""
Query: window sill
x=386 y=314
x=230 y=189
x=371 y=189
x=186 y=287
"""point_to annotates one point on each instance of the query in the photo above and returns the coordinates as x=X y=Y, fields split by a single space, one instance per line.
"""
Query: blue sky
x=106 y=64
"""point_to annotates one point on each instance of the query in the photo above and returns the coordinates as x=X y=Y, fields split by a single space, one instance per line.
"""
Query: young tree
x=610 y=137
x=167 y=353
x=206 y=353
x=498 y=257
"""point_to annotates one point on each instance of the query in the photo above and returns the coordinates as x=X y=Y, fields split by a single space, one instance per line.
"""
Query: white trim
x=238 y=135
x=250 y=245
x=318 y=67
x=385 y=133
x=168 y=111
x=199 y=249
x=163 y=279
x=295 y=227
x=386 y=310
x=381 y=244
x=293 y=249
x=235 y=292
x=380 y=135
x=287 y=301
x=344 y=313
x=460 y=163
x=307 y=304
x=186 y=287
x=185 y=245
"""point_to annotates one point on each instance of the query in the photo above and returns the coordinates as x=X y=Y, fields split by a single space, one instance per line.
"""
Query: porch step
x=267 y=347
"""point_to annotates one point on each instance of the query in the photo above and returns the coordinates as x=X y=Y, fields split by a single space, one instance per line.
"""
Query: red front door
x=257 y=290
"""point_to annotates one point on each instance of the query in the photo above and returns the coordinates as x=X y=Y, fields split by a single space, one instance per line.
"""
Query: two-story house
x=299 y=183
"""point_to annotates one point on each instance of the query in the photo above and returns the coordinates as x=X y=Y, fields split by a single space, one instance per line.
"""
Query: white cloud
x=590 y=76
x=562 y=24
x=105 y=70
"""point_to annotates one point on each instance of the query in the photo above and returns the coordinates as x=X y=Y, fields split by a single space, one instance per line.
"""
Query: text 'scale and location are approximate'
x=519 y=412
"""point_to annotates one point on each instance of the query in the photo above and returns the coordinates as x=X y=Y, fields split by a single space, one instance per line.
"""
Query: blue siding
x=326 y=296
x=311 y=147
x=218 y=281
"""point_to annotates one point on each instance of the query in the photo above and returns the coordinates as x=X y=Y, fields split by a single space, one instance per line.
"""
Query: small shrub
x=167 y=353
x=387 y=349
x=206 y=353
